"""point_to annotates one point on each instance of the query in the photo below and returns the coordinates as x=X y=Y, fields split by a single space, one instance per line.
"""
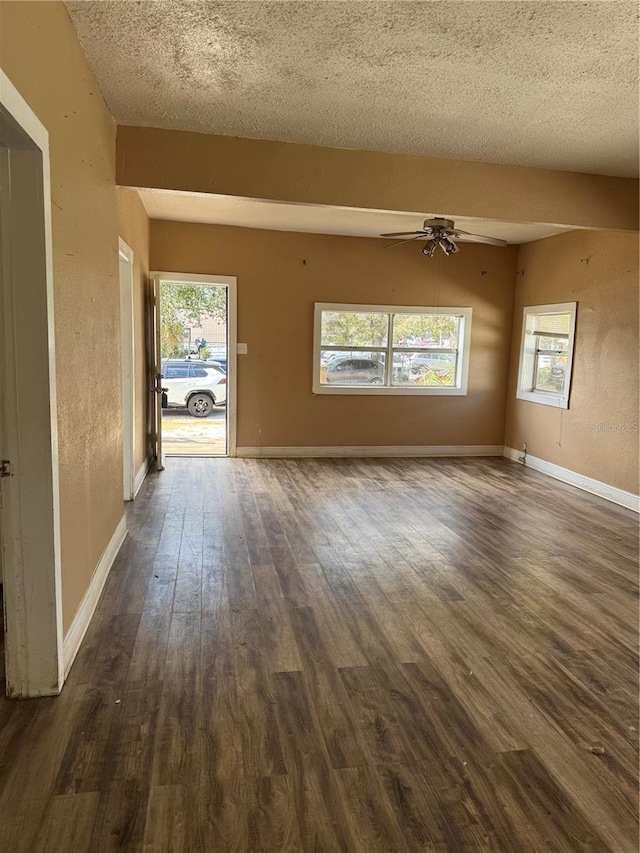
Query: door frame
x=30 y=528
x=156 y=374
x=231 y=283
x=127 y=357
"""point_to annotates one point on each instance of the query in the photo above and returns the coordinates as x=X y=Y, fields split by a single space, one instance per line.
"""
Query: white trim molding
x=368 y=451
x=580 y=481
x=84 y=614
x=142 y=472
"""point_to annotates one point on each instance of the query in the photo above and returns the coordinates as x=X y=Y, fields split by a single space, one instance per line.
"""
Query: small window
x=546 y=354
x=383 y=349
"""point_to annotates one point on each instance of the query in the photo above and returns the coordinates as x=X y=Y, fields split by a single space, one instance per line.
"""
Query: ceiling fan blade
x=466 y=237
x=405 y=234
x=419 y=236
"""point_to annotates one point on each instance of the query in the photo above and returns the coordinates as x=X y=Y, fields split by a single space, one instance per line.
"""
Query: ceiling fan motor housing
x=438 y=222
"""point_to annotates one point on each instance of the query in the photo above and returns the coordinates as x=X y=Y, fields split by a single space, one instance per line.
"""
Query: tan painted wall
x=133 y=224
x=280 y=277
x=585 y=438
x=41 y=55
x=308 y=174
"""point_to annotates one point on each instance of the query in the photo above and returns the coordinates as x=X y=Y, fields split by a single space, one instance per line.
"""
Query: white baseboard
x=370 y=451
x=580 y=481
x=143 y=470
x=85 y=611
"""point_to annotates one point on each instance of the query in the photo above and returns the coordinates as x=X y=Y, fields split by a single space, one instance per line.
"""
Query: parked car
x=218 y=359
x=434 y=360
x=198 y=385
x=333 y=357
x=431 y=367
x=355 y=371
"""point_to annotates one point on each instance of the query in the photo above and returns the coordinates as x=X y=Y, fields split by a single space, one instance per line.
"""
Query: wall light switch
x=241 y=349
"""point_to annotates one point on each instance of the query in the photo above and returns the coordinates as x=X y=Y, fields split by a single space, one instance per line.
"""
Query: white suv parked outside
x=198 y=385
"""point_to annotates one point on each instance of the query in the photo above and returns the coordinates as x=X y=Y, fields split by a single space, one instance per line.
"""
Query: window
x=176 y=371
x=546 y=353
x=196 y=371
x=384 y=349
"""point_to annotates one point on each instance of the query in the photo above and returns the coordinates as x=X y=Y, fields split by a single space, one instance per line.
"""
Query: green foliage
x=172 y=339
x=355 y=329
x=424 y=327
x=186 y=305
x=351 y=329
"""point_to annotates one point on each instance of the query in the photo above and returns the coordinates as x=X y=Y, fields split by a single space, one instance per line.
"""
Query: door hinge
x=5 y=468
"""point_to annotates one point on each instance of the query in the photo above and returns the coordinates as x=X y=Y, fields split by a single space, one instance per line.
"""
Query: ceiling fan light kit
x=447 y=245
x=442 y=232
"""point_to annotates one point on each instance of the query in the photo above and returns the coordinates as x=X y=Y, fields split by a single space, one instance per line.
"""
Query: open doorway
x=197 y=364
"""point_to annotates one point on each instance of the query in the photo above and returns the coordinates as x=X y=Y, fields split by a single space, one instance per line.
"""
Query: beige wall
x=599 y=271
x=133 y=224
x=41 y=55
x=280 y=277
x=308 y=174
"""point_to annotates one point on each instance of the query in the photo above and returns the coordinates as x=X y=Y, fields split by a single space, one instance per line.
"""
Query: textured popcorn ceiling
x=548 y=84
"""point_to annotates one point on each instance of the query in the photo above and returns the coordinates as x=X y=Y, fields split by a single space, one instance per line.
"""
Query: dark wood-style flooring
x=344 y=655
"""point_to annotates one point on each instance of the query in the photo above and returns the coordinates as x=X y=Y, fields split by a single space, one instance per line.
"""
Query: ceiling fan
x=442 y=232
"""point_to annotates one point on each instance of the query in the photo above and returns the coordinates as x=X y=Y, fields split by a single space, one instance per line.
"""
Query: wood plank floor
x=345 y=655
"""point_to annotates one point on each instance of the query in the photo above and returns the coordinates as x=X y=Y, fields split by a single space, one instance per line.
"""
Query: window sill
x=383 y=391
x=559 y=401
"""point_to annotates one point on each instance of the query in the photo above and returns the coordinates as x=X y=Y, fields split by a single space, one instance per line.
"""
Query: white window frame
x=462 y=373
x=528 y=351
